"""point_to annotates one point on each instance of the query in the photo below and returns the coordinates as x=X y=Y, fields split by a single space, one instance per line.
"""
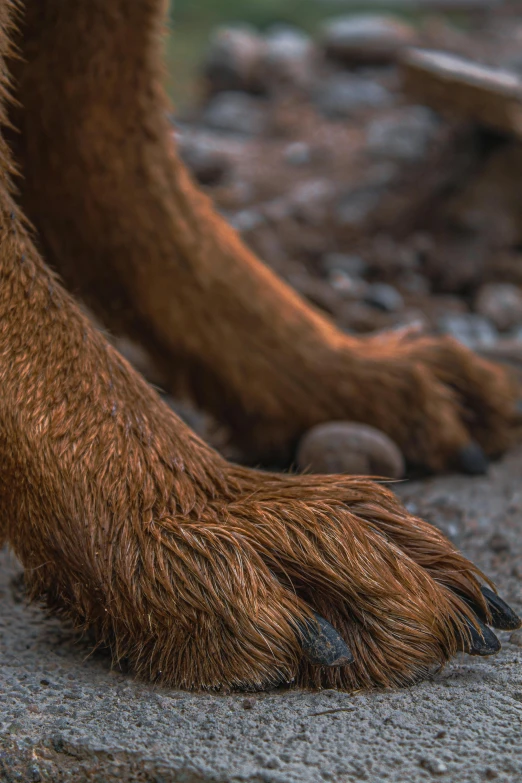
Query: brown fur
x=197 y=570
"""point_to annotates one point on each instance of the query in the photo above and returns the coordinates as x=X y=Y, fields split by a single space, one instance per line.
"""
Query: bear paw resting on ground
x=202 y=573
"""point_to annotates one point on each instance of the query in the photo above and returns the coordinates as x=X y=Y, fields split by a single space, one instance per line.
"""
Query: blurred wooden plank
x=464 y=89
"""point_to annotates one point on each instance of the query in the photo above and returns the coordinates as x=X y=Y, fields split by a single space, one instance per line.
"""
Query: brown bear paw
x=321 y=582
x=444 y=406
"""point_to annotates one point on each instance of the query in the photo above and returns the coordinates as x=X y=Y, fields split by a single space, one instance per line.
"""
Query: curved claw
x=483 y=643
x=473 y=461
x=322 y=645
x=502 y=616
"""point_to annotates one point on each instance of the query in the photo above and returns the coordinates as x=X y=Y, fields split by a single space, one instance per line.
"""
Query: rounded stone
x=207 y=163
x=350 y=264
x=343 y=95
x=290 y=57
x=349 y=448
x=236 y=112
x=233 y=59
x=501 y=303
x=298 y=153
x=366 y=38
x=404 y=136
x=385 y=297
x=471 y=329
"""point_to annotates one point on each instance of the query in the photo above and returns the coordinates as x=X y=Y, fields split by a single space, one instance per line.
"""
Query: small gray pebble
x=435 y=766
x=351 y=264
x=384 y=297
x=342 y=96
x=501 y=303
x=236 y=112
x=298 y=153
x=472 y=330
x=404 y=136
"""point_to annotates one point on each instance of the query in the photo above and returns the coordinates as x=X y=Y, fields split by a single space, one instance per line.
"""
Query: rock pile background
x=330 y=160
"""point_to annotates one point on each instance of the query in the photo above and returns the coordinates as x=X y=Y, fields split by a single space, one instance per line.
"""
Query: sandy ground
x=65 y=716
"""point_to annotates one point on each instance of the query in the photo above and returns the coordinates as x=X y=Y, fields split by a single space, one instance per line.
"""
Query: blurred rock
x=352 y=265
x=289 y=57
x=384 y=297
x=404 y=135
x=501 y=303
x=441 y=306
x=444 y=514
x=355 y=449
x=507 y=350
x=414 y=283
x=233 y=60
x=458 y=262
x=278 y=209
x=347 y=285
x=236 y=112
x=498 y=543
x=465 y=89
x=434 y=766
x=236 y=194
x=342 y=95
x=311 y=201
x=208 y=164
x=470 y=329
x=412 y=322
x=356 y=205
x=391 y=259
x=246 y=220
x=298 y=153
x=366 y=38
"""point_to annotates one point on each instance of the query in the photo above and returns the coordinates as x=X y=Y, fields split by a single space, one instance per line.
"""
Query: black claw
x=473 y=461
x=322 y=645
x=502 y=616
x=483 y=643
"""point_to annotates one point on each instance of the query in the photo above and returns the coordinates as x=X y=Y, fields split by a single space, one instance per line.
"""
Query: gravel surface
x=65 y=716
